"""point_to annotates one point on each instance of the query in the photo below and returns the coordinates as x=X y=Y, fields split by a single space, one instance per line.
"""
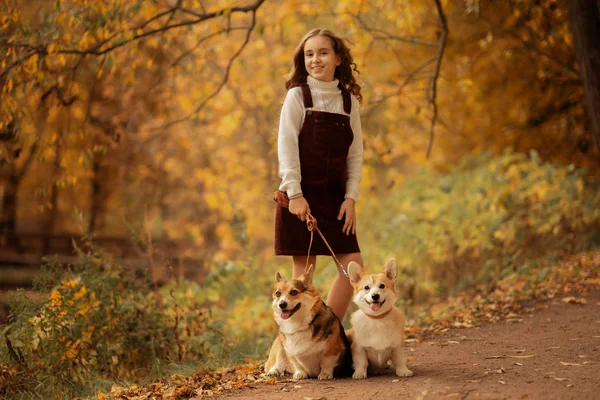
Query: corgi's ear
x=390 y=269
x=278 y=277
x=307 y=276
x=354 y=272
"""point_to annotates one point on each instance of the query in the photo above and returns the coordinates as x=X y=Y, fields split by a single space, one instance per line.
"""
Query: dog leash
x=282 y=199
x=311 y=224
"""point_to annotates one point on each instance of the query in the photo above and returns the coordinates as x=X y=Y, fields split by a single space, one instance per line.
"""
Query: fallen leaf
x=495 y=357
x=520 y=351
x=474 y=381
x=569 y=364
x=570 y=385
x=556 y=378
x=574 y=300
x=453 y=342
x=519 y=364
x=590 y=281
x=395 y=380
x=527 y=356
x=502 y=382
x=453 y=395
x=297 y=386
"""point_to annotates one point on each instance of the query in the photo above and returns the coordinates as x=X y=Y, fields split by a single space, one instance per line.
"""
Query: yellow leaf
x=574 y=300
x=61 y=18
x=53 y=48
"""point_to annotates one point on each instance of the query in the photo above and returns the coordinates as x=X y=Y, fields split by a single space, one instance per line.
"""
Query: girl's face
x=319 y=58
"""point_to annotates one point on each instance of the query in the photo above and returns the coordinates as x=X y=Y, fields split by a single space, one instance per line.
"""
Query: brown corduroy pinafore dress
x=323 y=145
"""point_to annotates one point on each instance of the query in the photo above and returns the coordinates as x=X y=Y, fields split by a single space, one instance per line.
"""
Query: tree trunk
x=50 y=222
x=8 y=219
x=584 y=17
x=96 y=207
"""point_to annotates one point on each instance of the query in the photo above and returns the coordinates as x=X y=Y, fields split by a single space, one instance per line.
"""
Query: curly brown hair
x=343 y=73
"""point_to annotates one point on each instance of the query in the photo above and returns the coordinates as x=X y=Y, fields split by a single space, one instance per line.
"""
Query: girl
x=320 y=153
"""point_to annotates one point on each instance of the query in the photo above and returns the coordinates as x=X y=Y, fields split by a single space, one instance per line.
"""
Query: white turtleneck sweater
x=326 y=97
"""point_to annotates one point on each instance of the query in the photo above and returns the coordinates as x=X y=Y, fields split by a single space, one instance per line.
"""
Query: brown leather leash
x=282 y=199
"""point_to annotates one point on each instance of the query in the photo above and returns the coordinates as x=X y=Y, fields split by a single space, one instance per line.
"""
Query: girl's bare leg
x=341 y=291
x=300 y=264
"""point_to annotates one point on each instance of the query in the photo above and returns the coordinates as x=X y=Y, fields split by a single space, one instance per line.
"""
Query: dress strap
x=347 y=102
x=306 y=96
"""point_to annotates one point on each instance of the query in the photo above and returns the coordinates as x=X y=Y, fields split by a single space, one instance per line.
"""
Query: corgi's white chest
x=308 y=352
x=376 y=333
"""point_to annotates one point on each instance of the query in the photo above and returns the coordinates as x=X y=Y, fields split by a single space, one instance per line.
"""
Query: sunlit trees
x=585 y=25
x=166 y=111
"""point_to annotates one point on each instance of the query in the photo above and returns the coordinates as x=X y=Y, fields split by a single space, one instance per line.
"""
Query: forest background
x=138 y=143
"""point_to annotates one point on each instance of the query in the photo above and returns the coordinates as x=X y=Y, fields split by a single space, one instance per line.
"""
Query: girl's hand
x=347 y=208
x=299 y=207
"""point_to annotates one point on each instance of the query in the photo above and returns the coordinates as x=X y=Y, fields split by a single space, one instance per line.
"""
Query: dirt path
x=550 y=352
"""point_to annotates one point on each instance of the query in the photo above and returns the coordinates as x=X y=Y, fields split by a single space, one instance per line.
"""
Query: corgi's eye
x=277 y=293
x=367 y=288
x=382 y=286
x=294 y=292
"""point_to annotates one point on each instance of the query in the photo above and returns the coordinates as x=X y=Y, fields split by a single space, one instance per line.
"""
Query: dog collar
x=385 y=314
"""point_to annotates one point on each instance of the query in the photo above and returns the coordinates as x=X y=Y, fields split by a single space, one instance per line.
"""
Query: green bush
x=487 y=214
x=96 y=320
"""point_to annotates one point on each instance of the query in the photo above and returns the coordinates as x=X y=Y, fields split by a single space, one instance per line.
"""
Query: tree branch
x=96 y=49
x=202 y=40
x=199 y=18
x=407 y=80
x=222 y=84
x=436 y=74
x=383 y=35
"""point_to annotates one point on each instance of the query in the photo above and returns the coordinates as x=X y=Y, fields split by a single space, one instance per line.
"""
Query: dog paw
x=275 y=372
x=298 y=375
x=403 y=371
x=325 y=376
x=359 y=375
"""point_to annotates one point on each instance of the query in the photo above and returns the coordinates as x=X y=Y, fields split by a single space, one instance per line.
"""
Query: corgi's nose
x=375 y=296
x=283 y=305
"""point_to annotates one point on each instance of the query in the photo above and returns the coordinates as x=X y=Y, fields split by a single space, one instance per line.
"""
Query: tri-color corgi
x=377 y=333
x=311 y=342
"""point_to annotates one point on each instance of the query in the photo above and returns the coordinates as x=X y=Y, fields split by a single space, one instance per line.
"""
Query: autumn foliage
x=158 y=119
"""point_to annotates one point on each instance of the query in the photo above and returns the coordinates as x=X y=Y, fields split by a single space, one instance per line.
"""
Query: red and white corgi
x=311 y=341
x=377 y=333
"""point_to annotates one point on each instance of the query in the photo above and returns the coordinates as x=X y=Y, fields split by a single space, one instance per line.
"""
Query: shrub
x=95 y=319
x=487 y=214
